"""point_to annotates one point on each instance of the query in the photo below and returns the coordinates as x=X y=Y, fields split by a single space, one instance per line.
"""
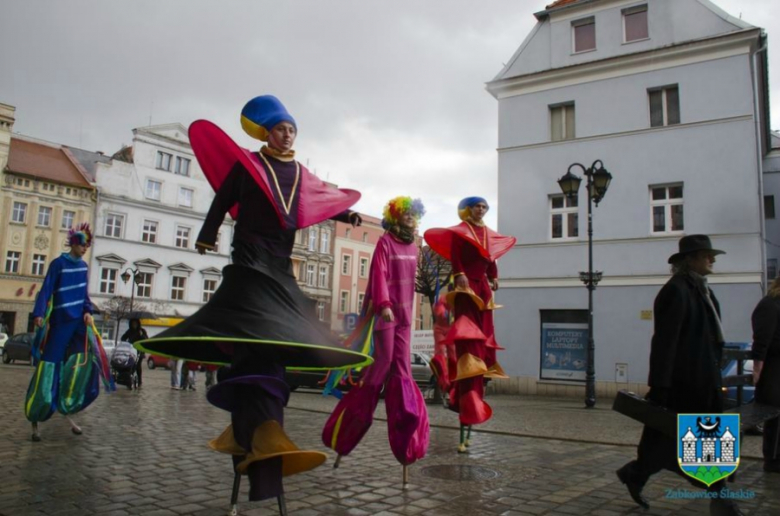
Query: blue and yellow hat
x=464 y=206
x=261 y=114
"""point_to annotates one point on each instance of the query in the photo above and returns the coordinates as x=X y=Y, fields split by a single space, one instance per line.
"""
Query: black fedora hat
x=692 y=243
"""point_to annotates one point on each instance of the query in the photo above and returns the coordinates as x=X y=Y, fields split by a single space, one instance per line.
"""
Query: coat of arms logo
x=708 y=445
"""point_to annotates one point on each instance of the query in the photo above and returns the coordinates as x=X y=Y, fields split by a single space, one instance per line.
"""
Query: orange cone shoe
x=450 y=297
x=470 y=366
x=496 y=371
x=269 y=440
x=226 y=443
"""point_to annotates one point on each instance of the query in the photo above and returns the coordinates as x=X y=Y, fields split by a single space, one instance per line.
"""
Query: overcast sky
x=389 y=96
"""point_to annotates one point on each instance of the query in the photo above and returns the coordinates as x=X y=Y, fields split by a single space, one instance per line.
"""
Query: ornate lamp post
x=125 y=278
x=597 y=185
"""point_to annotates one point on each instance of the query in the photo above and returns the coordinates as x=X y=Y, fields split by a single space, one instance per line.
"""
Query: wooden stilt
x=282 y=505
x=76 y=429
x=234 y=494
x=406 y=476
x=36 y=436
x=338 y=461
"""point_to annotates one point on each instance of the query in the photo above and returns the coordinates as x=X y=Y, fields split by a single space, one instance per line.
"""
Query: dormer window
x=584 y=34
x=635 y=24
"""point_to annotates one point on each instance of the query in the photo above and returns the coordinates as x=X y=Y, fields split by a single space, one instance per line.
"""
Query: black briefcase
x=646 y=412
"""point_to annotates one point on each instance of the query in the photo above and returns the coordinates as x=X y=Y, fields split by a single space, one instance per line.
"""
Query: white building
x=672 y=96
x=153 y=198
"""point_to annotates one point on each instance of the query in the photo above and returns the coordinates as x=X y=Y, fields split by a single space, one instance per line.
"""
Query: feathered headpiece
x=80 y=235
x=464 y=206
x=397 y=207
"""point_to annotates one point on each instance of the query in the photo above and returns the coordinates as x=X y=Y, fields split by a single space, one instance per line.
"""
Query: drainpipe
x=760 y=159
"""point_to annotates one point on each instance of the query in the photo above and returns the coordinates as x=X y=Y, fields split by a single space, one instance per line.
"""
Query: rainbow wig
x=261 y=114
x=395 y=208
x=80 y=235
x=464 y=206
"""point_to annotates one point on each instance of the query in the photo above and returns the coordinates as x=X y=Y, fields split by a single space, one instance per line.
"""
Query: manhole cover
x=459 y=472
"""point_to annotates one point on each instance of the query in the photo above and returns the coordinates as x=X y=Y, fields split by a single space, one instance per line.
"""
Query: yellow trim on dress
x=285 y=204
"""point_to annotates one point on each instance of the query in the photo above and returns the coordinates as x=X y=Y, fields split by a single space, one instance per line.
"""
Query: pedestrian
x=259 y=321
x=134 y=333
x=685 y=354
x=71 y=358
x=766 y=368
x=473 y=249
x=388 y=304
x=175 y=366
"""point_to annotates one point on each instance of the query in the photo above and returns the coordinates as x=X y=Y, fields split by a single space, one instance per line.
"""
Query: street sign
x=350 y=321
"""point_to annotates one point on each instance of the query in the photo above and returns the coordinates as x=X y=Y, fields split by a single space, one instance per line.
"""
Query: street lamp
x=125 y=278
x=597 y=185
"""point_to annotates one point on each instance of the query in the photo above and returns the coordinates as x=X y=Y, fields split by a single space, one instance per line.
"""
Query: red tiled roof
x=44 y=161
x=561 y=3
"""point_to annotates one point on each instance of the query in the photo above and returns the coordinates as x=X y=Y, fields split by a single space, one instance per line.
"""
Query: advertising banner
x=564 y=351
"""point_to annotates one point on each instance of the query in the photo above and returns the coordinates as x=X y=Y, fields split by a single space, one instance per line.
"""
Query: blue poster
x=564 y=351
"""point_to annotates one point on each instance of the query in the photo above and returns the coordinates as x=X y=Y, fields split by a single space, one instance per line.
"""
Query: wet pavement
x=145 y=453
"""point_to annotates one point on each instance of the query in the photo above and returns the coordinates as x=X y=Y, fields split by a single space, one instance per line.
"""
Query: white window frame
x=635 y=10
x=182 y=239
x=311 y=274
x=343 y=301
x=312 y=239
x=182 y=200
x=346 y=264
x=38 y=264
x=13 y=260
x=68 y=218
x=562 y=110
x=19 y=212
x=323 y=283
x=182 y=170
x=361 y=297
x=664 y=105
x=365 y=236
x=667 y=203
x=569 y=206
x=363 y=270
x=164 y=160
x=590 y=20
x=144 y=283
x=348 y=233
x=108 y=277
x=44 y=216
x=115 y=229
x=321 y=310
x=153 y=190
x=209 y=287
x=178 y=287
x=325 y=241
x=149 y=231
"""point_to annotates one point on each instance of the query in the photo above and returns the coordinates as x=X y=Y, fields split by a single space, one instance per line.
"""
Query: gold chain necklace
x=285 y=204
x=474 y=234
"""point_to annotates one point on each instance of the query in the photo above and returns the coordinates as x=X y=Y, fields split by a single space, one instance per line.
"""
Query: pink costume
x=390 y=284
x=444 y=358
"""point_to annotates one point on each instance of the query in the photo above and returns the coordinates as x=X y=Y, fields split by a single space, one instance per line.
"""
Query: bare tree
x=118 y=308
x=432 y=273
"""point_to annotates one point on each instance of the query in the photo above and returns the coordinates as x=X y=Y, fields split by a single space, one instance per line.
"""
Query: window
x=185 y=197
x=182 y=166
x=363 y=267
x=67 y=219
x=321 y=310
x=564 y=217
x=348 y=233
x=153 y=189
x=310 y=275
x=584 y=34
x=38 y=264
x=182 y=237
x=216 y=242
x=562 y=122
x=301 y=271
x=324 y=241
x=324 y=276
x=312 y=239
x=178 y=283
x=771 y=269
x=114 y=225
x=19 y=212
x=346 y=265
x=361 y=296
x=664 y=106
x=44 y=216
x=12 y=260
x=365 y=236
x=344 y=301
x=143 y=284
x=108 y=280
x=149 y=232
x=209 y=287
x=164 y=161
x=635 y=24
x=666 y=204
x=769 y=206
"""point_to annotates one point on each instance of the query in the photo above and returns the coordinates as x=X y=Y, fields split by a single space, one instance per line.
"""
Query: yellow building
x=43 y=192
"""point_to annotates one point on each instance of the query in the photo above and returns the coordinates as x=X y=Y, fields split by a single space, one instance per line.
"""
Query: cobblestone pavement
x=145 y=453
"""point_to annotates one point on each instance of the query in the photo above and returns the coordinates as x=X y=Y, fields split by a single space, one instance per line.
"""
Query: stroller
x=123 y=364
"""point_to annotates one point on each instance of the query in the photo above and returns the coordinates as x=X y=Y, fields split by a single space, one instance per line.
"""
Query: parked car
x=3 y=339
x=18 y=347
x=153 y=361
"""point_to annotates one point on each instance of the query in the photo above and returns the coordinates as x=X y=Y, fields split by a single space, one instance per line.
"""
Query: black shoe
x=36 y=438
x=634 y=488
x=724 y=507
x=76 y=430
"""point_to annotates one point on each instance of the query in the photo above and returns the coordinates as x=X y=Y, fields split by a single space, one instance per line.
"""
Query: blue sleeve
x=87 y=303
x=47 y=290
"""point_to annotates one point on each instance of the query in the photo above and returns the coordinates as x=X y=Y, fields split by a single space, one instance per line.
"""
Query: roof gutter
x=760 y=155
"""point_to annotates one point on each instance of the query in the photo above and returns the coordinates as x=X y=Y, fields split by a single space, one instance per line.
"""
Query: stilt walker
x=259 y=321
x=473 y=249
x=67 y=348
x=387 y=320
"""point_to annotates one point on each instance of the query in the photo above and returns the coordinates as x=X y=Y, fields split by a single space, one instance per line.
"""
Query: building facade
x=671 y=95
x=153 y=198
x=44 y=192
x=312 y=262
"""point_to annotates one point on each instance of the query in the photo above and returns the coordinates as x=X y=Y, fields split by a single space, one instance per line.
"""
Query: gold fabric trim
x=288 y=203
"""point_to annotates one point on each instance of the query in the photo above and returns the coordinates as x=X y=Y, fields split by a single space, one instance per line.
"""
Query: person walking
x=766 y=368
x=685 y=375
x=134 y=333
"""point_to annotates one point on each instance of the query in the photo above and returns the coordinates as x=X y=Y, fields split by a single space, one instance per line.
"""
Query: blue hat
x=464 y=206
x=261 y=114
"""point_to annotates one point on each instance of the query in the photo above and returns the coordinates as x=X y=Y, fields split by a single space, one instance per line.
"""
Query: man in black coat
x=685 y=355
